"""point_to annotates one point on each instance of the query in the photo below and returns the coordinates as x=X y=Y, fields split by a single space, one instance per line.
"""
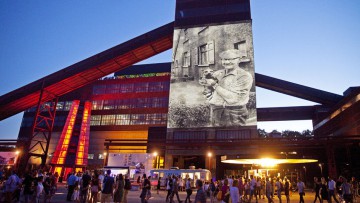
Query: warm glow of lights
x=268 y=162
x=17 y=152
x=82 y=149
x=209 y=154
x=155 y=153
x=63 y=144
x=105 y=153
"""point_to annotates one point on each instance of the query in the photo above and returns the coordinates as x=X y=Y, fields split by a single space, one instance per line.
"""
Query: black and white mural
x=212 y=77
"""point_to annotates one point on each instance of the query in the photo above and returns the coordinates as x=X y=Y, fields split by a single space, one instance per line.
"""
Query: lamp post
x=209 y=154
x=155 y=154
x=304 y=167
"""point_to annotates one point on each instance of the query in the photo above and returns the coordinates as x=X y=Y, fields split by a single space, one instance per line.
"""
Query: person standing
x=287 y=190
x=301 y=189
x=234 y=192
x=39 y=189
x=279 y=188
x=317 y=186
x=72 y=182
x=200 y=196
x=127 y=187
x=268 y=190
x=158 y=185
x=119 y=189
x=107 y=187
x=95 y=188
x=212 y=189
x=28 y=186
x=253 y=189
x=331 y=188
x=84 y=186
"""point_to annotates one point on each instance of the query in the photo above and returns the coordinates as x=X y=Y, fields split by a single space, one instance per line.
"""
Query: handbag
x=219 y=195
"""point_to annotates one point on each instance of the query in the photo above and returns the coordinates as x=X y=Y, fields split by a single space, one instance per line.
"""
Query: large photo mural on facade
x=212 y=77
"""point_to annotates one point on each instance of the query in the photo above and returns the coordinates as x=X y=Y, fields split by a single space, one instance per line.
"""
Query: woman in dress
x=119 y=189
x=323 y=190
x=95 y=188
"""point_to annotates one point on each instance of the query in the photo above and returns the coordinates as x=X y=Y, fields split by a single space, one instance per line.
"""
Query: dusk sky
x=310 y=42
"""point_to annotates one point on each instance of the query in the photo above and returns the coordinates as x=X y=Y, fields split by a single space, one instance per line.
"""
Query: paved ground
x=133 y=197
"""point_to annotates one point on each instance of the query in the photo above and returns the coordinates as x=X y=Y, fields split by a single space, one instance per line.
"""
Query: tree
x=262 y=133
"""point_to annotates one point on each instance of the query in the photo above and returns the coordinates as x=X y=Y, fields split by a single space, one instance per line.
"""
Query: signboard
x=137 y=163
x=8 y=158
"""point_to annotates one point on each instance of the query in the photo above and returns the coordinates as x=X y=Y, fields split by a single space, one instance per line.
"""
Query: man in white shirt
x=301 y=188
x=332 y=187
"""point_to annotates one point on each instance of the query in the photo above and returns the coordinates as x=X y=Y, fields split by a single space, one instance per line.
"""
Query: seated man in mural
x=231 y=87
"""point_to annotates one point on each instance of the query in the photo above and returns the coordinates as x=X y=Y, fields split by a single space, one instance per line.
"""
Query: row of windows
x=154 y=102
x=132 y=87
x=60 y=106
x=128 y=119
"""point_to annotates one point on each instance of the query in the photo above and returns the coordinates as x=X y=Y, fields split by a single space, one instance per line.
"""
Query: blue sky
x=314 y=43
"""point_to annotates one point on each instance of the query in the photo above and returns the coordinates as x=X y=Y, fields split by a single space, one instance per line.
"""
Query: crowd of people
x=38 y=186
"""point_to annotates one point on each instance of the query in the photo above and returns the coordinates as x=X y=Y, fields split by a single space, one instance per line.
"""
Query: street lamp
x=304 y=167
x=209 y=154
x=320 y=165
x=155 y=154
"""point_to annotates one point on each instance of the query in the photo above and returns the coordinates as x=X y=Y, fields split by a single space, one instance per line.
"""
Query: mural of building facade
x=212 y=77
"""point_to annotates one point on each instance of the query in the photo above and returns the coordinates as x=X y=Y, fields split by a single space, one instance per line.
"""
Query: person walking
x=212 y=189
x=145 y=189
x=188 y=190
x=169 y=185
x=200 y=196
x=301 y=189
x=317 y=186
x=331 y=188
x=323 y=190
x=175 y=190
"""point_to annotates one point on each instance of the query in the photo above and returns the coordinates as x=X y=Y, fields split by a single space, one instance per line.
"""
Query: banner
x=8 y=158
x=212 y=77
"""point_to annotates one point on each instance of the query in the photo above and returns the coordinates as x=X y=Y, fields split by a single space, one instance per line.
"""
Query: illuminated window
x=123 y=119
x=90 y=156
x=95 y=120
x=108 y=120
x=127 y=88
x=97 y=105
x=101 y=156
x=206 y=54
x=109 y=104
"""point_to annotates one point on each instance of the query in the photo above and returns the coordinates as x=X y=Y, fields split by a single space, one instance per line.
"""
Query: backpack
x=127 y=185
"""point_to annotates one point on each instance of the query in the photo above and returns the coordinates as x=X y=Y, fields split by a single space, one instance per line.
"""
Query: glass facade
x=150 y=102
x=161 y=86
x=128 y=119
